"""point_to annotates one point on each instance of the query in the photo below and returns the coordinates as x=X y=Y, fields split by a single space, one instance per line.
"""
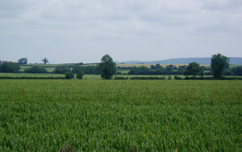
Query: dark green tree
x=23 y=61
x=62 y=69
x=80 y=75
x=90 y=69
x=45 y=60
x=152 y=66
x=168 y=69
x=107 y=68
x=193 y=69
x=157 y=66
x=36 y=69
x=76 y=69
x=9 y=67
x=237 y=70
x=69 y=75
x=218 y=65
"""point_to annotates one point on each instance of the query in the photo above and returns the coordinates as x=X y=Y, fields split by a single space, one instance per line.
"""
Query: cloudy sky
x=67 y=31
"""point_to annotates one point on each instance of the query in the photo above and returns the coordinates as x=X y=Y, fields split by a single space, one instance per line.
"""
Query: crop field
x=109 y=115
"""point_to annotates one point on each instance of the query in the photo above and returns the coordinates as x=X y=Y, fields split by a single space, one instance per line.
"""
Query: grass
x=91 y=76
x=104 y=115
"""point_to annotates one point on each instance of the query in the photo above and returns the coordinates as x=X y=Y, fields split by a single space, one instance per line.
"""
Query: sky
x=72 y=31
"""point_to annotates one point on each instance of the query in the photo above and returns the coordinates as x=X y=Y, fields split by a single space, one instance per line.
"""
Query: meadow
x=120 y=115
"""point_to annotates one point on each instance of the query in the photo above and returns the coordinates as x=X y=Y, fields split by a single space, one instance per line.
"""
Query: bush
x=80 y=75
x=121 y=78
x=9 y=67
x=29 y=77
x=36 y=69
x=61 y=69
x=147 y=78
x=69 y=75
x=177 y=78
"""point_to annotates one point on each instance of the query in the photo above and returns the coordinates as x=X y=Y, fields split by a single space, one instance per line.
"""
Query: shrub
x=147 y=78
x=69 y=75
x=80 y=75
x=120 y=78
x=36 y=69
x=61 y=69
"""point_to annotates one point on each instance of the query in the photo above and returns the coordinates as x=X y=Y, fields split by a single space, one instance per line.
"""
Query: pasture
x=108 y=115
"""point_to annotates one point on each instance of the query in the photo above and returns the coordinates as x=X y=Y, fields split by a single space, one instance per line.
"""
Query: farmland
x=109 y=115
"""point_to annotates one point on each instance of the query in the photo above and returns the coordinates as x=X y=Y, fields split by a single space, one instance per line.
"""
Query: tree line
x=107 y=68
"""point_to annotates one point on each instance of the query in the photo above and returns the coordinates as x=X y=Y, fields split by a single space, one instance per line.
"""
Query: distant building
x=7 y=62
x=4 y=62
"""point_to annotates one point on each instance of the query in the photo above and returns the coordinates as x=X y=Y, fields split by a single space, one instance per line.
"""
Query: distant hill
x=205 y=60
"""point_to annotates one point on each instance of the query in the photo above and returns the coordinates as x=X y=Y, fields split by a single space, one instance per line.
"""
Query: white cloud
x=128 y=29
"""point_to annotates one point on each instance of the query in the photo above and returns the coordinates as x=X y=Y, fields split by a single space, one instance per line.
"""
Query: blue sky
x=67 y=31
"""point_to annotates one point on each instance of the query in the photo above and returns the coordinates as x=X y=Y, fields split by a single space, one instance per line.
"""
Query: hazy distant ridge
x=205 y=60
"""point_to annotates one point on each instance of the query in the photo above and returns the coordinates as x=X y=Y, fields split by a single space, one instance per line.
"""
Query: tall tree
x=23 y=61
x=218 y=64
x=107 y=68
x=45 y=60
x=194 y=69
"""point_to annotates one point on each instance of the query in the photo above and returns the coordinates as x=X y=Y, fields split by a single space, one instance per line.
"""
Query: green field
x=108 y=115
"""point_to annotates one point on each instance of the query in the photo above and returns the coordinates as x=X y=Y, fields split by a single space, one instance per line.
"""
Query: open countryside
x=111 y=111
x=120 y=76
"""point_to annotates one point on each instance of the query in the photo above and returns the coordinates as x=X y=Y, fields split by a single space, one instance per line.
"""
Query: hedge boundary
x=26 y=77
x=147 y=78
x=207 y=78
x=121 y=78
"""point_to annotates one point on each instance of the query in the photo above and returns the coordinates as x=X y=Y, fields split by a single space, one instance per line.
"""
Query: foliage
x=147 y=78
x=23 y=61
x=194 y=69
x=107 y=68
x=80 y=75
x=30 y=77
x=45 y=60
x=121 y=78
x=90 y=69
x=85 y=69
x=9 y=67
x=69 y=75
x=218 y=64
x=62 y=69
x=120 y=115
x=143 y=70
x=76 y=69
x=36 y=69
x=237 y=70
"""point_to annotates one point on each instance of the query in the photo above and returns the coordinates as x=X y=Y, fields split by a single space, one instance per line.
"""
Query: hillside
x=204 y=61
